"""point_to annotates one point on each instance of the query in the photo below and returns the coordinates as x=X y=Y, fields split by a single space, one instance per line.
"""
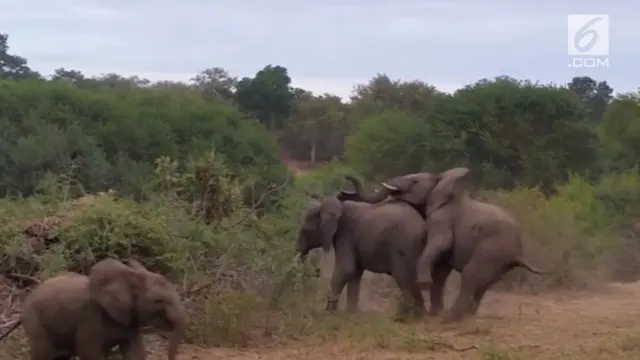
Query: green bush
x=118 y=133
x=585 y=234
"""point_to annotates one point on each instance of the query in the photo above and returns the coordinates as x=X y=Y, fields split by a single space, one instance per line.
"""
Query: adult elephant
x=384 y=238
x=482 y=241
x=85 y=316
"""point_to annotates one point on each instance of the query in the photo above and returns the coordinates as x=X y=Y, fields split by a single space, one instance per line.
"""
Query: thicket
x=188 y=179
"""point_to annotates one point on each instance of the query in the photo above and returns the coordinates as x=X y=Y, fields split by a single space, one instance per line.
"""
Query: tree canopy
x=511 y=132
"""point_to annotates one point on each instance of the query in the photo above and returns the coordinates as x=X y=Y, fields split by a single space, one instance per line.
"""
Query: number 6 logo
x=588 y=34
x=583 y=31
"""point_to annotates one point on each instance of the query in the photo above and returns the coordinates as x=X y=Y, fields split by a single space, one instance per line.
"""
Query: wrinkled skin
x=382 y=238
x=480 y=240
x=86 y=316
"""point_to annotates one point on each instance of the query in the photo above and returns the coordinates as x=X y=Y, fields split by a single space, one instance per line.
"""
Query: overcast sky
x=327 y=45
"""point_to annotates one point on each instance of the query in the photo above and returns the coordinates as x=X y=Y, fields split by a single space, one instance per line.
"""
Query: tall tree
x=70 y=75
x=12 y=66
x=620 y=132
x=382 y=93
x=523 y=133
x=594 y=94
x=268 y=95
x=317 y=128
x=216 y=83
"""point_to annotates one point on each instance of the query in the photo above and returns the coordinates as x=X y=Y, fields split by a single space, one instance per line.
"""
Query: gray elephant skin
x=86 y=316
x=385 y=238
x=482 y=241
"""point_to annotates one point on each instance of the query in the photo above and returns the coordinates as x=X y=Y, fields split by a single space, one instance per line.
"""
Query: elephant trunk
x=176 y=334
x=302 y=249
x=302 y=258
x=372 y=198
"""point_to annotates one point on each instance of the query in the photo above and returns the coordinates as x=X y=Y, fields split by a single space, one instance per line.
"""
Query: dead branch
x=446 y=345
x=270 y=190
x=9 y=324
x=30 y=281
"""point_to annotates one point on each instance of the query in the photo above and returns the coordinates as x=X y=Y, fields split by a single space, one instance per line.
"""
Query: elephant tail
x=519 y=262
x=11 y=328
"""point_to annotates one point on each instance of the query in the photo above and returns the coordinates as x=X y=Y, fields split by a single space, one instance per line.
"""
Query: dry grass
x=600 y=323
x=595 y=324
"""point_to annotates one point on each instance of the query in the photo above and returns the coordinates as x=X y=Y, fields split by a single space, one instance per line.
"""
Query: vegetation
x=190 y=179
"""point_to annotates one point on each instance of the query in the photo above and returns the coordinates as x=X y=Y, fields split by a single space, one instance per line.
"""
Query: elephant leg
x=411 y=303
x=353 y=291
x=338 y=281
x=405 y=276
x=480 y=292
x=89 y=337
x=133 y=349
x=344 y=270
x=40 y=346
x=418 y=301
x=441 y=271
x=440 y=240
x=477 y=299
x=479 y=274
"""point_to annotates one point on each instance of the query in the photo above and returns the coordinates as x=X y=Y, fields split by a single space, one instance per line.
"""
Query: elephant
x=384 y=238
x=482 y=241
x=86 y=316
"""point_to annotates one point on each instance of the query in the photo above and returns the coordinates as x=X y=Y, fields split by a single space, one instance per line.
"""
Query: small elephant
x=482 y=241
x=383 y=238
x=86 y=316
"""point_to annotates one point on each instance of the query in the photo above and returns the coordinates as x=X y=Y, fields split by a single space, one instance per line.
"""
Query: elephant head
x=427 y=192
x=319 y=225
x=134 y=296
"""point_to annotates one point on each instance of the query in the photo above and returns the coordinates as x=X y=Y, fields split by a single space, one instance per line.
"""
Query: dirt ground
x=599 y=324
x=602 y=323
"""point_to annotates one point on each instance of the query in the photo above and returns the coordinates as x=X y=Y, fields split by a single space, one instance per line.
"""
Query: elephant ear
x=329 y=219
x=449 y=187
x=114 y=285
x=136 y=265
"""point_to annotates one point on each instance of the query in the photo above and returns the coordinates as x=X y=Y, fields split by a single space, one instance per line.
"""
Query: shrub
x=118 y=133
x=584 y=234
x=226 y=269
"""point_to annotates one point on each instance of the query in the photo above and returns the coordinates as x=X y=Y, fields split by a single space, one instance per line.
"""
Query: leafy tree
x=119 y=132
x=317 y=128
x=381 y=93
x=216 y=83
x=388 y=144
x=268 y=96
x=12 y=66
x=595 y=95
x=523 y=133
x=62 y=74
x=620 y=132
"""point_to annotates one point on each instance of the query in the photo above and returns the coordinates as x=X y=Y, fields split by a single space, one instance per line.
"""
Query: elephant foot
x=409 y=315
x=400 y=318
x=424 y=282
x=435 y=312
x=332 y=305
x=451 y=317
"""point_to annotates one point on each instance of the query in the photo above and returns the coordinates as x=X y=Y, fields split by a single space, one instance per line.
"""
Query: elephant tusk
x=390 y=187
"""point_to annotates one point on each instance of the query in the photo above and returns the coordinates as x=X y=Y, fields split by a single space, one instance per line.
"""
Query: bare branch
x=270 y=190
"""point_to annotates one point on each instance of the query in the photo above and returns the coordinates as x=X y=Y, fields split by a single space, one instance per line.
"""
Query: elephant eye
x=158 y=301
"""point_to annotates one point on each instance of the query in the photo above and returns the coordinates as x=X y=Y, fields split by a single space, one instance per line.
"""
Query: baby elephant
x=86 y=316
